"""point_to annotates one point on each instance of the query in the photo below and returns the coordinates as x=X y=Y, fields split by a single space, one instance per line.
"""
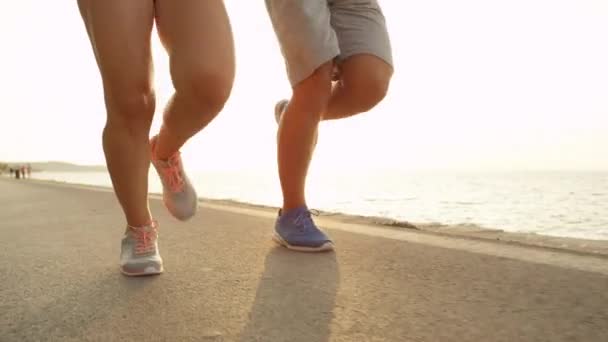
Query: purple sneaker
x=296 y=230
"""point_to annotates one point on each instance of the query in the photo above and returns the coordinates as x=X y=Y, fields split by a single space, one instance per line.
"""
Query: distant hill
x=65 y=167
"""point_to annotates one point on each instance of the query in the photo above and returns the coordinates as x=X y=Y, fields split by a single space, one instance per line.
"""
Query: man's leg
x=295 y=228
x=363 y=82
x=309 y=45
x=297 y=134
x=365 y=65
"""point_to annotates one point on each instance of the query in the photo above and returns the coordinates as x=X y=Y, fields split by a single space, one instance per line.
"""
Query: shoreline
x=459 y=231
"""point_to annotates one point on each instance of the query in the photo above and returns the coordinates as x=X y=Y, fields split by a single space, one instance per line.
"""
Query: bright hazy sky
x=519 y=84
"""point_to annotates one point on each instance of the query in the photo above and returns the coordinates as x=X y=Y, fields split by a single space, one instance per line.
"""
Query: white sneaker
x=179 y=195
x=139 y=251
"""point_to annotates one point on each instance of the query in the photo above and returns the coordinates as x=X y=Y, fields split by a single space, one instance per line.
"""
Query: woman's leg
x=198 y=38
x=120 y=35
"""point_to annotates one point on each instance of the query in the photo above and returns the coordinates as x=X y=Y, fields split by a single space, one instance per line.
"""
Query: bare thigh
x=363 y=69
x=198 y=37
x=120 y=33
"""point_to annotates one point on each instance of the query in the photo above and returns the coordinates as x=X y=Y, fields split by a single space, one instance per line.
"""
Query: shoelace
x=303 y=221
x=172 y=174
x=144 y=238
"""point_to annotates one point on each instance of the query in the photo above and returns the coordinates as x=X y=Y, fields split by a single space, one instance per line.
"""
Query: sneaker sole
x=326 y=247
x=182 y=217
x=179 y=214
x=149 y=271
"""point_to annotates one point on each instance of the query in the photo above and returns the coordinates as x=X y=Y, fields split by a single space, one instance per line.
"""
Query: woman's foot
x=179 y=195
x=139 y=254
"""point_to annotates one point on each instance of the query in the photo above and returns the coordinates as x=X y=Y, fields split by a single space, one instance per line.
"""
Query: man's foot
x=178 y=193
x=139 y=251
x=296 y=230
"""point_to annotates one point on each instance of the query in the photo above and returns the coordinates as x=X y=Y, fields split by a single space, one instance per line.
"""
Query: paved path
x=226 y=281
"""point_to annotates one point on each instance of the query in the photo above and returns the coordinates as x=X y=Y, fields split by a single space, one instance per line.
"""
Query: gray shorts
x=313 y=32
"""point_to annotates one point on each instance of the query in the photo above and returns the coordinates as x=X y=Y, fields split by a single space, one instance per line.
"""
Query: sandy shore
x=226 y=281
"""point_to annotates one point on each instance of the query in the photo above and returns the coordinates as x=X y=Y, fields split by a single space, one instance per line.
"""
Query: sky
x=481 y=85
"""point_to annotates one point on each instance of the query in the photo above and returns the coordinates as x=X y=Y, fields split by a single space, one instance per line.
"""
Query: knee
x=131 y=107
x=313 y=93
x=366 y=80
x=367 y=89
x=206 y=88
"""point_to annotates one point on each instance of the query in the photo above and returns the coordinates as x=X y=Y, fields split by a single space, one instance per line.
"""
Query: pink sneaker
x=178 y=193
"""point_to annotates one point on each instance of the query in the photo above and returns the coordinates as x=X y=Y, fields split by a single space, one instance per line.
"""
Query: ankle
x=287 y=206
x=158 y=148
x=141 y=221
